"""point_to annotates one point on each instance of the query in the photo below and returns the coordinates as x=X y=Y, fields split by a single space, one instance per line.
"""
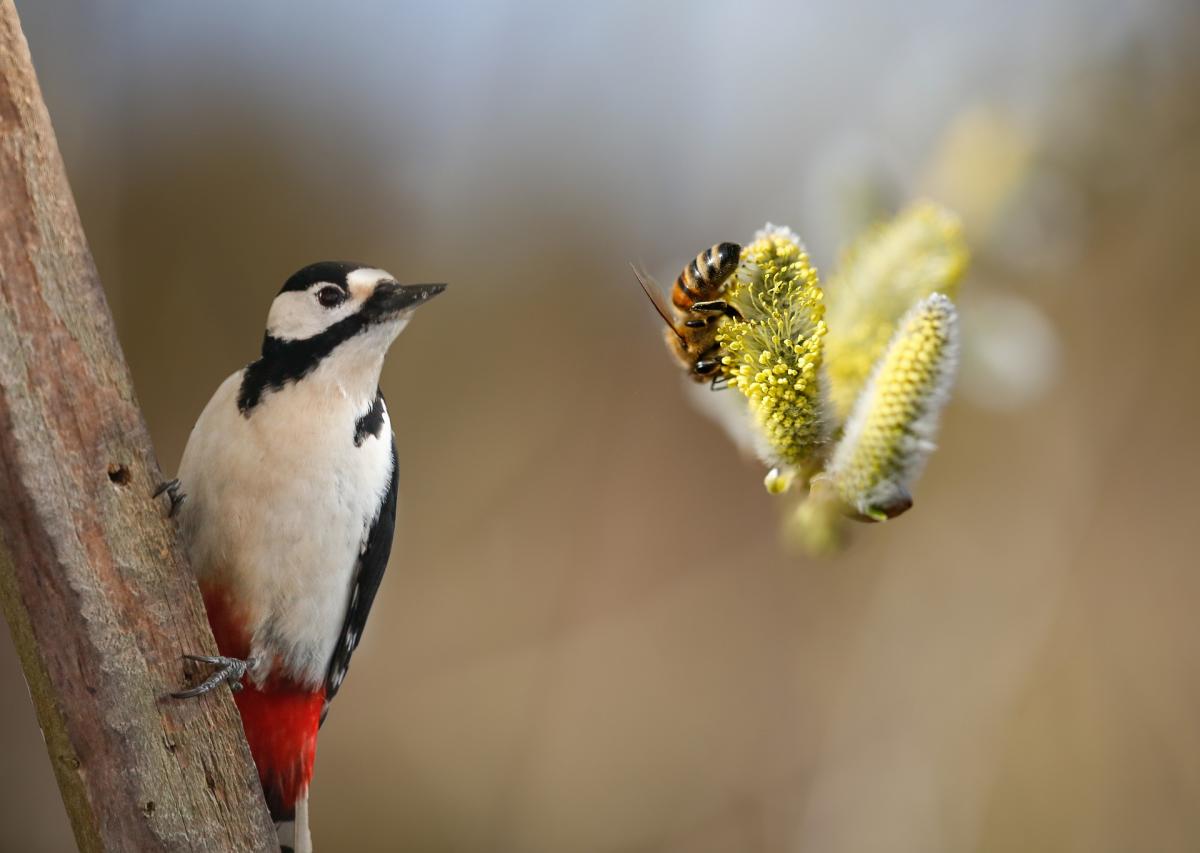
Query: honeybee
x=696 y=309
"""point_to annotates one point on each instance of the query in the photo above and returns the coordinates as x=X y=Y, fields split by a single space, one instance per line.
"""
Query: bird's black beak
x=391 y=298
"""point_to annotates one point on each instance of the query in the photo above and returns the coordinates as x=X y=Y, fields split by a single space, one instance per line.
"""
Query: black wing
x=373 y=560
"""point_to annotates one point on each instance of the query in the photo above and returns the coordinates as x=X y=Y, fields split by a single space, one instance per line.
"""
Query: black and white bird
x=290 y=484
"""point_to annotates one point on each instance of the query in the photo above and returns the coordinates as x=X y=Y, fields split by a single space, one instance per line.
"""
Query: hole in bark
x=149 y=808
x=118 y=473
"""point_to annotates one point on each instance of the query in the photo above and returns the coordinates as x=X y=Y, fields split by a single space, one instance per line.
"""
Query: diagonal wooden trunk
x=94 y=585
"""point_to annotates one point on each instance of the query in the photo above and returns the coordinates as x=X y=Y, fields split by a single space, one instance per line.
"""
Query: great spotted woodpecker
x=290 y=480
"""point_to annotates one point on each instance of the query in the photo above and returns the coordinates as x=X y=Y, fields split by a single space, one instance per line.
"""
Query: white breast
x=278 y=507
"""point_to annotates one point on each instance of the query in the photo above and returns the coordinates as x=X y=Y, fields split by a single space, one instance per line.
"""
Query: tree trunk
x=95 y=589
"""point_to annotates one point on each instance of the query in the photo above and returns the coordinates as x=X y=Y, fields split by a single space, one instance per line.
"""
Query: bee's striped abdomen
x=697 y=309
x=703 y=278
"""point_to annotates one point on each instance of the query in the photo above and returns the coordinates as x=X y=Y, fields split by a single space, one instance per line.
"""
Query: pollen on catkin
x=891 y=429
x=772 y=352
x=886 y=271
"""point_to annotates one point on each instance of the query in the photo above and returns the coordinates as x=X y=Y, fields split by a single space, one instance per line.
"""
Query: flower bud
x=772 y=347
x=891 y=429
x=885 y=272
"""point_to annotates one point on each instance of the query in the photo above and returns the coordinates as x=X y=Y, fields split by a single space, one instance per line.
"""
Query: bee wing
x=654 y=294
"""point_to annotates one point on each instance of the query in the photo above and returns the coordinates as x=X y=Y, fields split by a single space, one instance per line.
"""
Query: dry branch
x=95 y=589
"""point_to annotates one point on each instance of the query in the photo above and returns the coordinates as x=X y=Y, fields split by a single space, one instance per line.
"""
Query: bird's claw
x=171 y=487
x=230 y=671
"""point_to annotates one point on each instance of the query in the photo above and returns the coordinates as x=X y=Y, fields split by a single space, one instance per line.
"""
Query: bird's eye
x=331 y=297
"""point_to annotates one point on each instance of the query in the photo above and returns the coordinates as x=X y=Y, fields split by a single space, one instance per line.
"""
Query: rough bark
x=94 y=586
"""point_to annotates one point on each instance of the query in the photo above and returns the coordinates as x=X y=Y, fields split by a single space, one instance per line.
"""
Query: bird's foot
x=231 y=671
x=171 y=487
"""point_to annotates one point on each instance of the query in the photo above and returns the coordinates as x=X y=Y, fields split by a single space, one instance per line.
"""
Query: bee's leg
x=719 y=383
x=709 y=362
x=717 y=306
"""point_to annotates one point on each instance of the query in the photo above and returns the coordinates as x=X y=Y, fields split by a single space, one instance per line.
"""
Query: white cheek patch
x=362 y=282
x=297 y=314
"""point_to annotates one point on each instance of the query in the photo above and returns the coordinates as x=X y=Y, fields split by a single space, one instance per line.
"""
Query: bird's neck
x=352 y=375
x=327 y=366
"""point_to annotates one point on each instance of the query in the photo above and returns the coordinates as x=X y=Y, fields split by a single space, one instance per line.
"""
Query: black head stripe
x=285 y=361
x=289 y=361
x=334 y=272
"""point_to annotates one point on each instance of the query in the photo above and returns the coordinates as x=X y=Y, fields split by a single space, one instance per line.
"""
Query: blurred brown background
x=555 y=662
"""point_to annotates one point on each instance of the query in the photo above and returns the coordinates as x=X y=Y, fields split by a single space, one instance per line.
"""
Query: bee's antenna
x=654 y=301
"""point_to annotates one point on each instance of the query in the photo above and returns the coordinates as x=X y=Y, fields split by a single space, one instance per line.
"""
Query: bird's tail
x=293 y=834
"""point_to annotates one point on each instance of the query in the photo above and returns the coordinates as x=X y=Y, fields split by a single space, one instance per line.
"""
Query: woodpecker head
x=336 y=315
x=326 y=295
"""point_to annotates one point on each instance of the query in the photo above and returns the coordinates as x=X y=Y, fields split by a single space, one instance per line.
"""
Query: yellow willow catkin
x=772 y=351
x=885 y=272
x=891 y=429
